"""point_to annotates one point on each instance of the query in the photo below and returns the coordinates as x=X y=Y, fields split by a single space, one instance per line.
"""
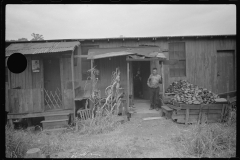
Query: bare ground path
x=136 y=138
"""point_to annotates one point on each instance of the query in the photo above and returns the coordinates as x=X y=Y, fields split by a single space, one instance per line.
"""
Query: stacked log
x=188 y=93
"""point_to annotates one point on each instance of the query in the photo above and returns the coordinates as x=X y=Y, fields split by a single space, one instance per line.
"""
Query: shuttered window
x=177 y=53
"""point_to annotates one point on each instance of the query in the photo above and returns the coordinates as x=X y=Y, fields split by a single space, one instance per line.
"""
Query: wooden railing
x=53 y=100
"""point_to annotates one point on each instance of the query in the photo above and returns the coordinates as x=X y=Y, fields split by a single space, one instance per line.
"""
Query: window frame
x=174 y=69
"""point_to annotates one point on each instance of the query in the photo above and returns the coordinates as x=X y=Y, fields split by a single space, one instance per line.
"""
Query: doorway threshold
x=141 y=101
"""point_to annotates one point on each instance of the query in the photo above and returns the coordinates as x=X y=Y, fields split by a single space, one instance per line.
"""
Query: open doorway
x=52 y=84
x=141 y=72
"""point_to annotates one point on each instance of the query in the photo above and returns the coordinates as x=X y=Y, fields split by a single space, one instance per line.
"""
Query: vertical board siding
x=22 y=79
x=37 y=76
x=201 y=59
x=67 y=83
x=37 y=105
x=6 y=96
x=107 y=67
x=24 y=100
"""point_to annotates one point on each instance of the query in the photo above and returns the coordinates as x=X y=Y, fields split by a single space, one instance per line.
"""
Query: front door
x=226 y=71
x=52 y=84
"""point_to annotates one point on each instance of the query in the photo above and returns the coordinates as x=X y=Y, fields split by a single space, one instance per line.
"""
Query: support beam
x=73 y=87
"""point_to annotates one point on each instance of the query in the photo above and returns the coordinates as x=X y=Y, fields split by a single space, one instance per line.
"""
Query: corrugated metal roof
x=37 y=48
x=120 y=38
x=180 y=36
x=113 y=52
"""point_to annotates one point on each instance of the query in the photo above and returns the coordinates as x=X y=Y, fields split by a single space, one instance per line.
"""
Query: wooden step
x=167 y=108
x=57 y=116
x=55 y=129
x=50 y=124
x=166 y=111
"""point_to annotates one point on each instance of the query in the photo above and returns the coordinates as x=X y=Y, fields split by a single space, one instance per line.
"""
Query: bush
x=209 y=140
x=99 y=124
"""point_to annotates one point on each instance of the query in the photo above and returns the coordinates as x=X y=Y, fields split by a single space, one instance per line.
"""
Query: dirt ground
x=136 y=138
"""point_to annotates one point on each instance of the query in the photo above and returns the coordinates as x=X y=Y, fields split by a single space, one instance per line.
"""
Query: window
x=97 y=67
x=177 y=52
x=85 y=65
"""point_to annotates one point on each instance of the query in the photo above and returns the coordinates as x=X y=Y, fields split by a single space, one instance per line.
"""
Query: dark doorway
x=141 y=72
x=52 y=84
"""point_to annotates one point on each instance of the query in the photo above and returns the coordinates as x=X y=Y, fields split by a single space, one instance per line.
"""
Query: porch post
x=73 y=87
x=163 y=90
x=128 y=86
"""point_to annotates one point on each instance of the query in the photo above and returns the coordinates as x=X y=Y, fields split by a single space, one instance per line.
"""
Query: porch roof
x=134 y=53
x=37 y=48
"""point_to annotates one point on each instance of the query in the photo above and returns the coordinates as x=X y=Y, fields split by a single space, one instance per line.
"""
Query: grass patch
x=98 y=124
x=18 y=142
x=208 y=140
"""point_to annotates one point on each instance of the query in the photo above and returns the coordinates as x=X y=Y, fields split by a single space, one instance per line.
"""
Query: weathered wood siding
x=107 y=67
x=24 y=79
x=6 y=97
x=28 y=98
x=201 y=56
x=66 y=80
x=25 y=100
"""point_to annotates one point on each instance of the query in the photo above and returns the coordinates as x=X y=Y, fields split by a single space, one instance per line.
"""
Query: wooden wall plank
x=68 y=99
x=36 y=94
x=42 y=85
x=30 y=73
x=10 y=104
x=62 y=80
x=30 y=101
x=6 y=96
x=12 y=80
x=26 y=76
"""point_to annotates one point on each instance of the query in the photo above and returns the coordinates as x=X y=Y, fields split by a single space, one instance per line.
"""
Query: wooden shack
x=208 y=61
x=45 y=87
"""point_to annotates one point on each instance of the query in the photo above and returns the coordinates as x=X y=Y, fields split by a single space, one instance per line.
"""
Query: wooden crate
x=191 y=113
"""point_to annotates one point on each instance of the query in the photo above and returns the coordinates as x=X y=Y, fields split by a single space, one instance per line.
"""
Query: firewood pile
x=188 y=93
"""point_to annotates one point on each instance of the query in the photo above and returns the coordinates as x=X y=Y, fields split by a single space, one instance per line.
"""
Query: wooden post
x=73 y=88
x=126 y=108
x=163 y=89
x=62 y=80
